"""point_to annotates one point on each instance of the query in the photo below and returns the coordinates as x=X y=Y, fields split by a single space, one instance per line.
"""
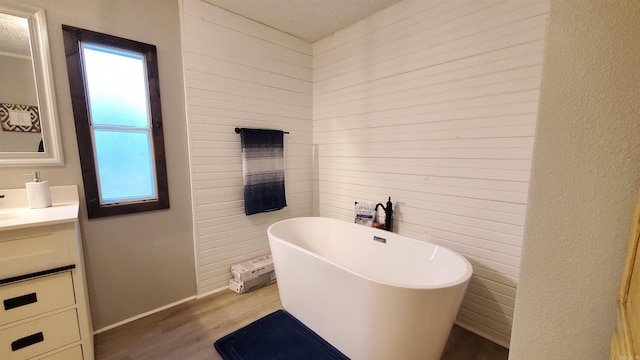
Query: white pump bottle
x=38 y=192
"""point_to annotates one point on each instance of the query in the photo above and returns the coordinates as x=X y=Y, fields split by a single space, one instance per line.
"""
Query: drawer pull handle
x=20 y=301
x=27 y=341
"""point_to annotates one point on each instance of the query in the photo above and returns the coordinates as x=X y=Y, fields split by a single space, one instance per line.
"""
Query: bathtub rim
x=465 y=278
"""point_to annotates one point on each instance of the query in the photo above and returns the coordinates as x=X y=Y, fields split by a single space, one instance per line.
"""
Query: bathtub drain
x=379 y=239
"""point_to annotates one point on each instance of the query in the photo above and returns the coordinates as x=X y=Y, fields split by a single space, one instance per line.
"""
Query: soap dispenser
x=38 y=192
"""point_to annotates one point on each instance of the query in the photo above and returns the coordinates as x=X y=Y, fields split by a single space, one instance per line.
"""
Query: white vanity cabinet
x=44 y=310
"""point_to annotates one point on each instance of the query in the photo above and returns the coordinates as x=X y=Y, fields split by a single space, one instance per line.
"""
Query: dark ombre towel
x=263 y=170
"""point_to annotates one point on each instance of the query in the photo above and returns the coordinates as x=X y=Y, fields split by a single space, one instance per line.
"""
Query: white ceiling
x=310 y=20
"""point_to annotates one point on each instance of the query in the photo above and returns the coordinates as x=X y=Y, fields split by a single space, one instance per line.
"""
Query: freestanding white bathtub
x=371 y=293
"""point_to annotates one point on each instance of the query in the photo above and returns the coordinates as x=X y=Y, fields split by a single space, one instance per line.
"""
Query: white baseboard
x=125 y=321
x=484 y=335
x=215 y=291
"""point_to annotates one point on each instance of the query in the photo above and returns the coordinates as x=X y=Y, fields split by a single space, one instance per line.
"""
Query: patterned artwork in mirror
x=20 y=118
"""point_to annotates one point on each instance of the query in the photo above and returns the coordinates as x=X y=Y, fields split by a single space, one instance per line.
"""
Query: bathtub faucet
x=388 y=212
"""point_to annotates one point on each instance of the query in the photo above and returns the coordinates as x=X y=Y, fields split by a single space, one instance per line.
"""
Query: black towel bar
x=238 y=130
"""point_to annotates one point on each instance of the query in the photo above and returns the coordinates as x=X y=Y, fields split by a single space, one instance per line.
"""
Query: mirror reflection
x=29 y=132
x=19 y=115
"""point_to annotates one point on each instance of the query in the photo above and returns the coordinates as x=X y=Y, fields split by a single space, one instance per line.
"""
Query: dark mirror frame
x=72 y=38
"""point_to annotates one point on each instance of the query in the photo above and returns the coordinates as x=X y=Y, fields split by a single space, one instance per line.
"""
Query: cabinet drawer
x=75 y=353
x=26 y=251
x=36 y=296
x=39 y=336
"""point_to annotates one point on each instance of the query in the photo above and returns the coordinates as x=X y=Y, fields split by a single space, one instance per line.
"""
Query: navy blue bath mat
x=277 y=336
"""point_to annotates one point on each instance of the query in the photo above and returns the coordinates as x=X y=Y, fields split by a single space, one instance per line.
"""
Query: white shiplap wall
x=434 y=103
x=239 y=73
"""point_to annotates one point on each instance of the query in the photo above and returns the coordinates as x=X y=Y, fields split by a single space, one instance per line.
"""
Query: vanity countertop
x=16 y=214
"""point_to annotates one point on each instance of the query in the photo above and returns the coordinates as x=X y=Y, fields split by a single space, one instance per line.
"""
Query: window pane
x=125 y=165
x=116 y=83
x=116 y=104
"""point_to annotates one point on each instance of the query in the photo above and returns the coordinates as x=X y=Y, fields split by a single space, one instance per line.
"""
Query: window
x=116 y=104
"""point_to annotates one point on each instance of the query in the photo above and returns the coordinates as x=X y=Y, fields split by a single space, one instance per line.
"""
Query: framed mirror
x=29 y=131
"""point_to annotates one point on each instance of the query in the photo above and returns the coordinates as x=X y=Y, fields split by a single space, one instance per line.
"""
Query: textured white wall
x=584 y=183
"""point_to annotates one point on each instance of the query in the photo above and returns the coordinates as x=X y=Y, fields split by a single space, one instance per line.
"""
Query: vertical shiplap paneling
x=435 y=104
x=239 y=73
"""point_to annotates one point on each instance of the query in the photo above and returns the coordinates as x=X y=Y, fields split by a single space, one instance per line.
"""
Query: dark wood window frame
x=73 y=37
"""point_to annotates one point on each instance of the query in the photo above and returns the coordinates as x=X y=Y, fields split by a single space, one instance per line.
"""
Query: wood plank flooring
x=187 y=331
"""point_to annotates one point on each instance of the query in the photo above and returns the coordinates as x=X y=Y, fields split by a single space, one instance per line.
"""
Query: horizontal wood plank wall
x=239 y=73
x=434 y=103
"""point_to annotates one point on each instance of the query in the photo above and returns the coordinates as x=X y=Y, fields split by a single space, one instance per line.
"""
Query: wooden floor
x=187 y=331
